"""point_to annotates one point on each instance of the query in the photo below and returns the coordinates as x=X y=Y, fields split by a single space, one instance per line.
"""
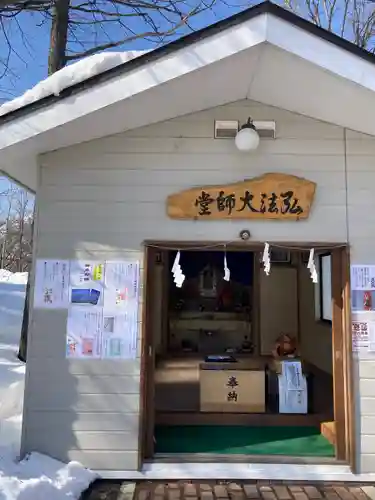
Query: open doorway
x=226 y=352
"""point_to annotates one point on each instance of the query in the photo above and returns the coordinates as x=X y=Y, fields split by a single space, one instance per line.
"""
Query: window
x=323 y=289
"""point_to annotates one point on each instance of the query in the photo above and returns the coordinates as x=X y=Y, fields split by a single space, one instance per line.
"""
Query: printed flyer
x=360 y=335
x=51 y=290
x=86 y=283
x=119 y=338
x=103 y=310
x=121 y=284
x=363 y=288
x=84 y=333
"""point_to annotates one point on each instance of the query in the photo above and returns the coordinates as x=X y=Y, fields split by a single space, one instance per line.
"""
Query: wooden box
x=232 y=388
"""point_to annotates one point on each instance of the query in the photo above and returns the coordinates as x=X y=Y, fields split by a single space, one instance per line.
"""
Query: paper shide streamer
x=226 y=268
x=178 y=276
x=266 y=259
x=311 y=267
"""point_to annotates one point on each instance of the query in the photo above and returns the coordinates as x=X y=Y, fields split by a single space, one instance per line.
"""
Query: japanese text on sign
x=270 y=196
x=282 y=203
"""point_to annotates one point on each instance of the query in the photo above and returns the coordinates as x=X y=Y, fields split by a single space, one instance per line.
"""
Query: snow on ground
x=69 y=76
x=37 y=477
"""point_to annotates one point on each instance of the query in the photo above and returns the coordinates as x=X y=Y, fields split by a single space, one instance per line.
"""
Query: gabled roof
x=265 y=53
x=266 y=7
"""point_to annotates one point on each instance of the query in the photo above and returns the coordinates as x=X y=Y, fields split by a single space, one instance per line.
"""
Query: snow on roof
x=70 y=75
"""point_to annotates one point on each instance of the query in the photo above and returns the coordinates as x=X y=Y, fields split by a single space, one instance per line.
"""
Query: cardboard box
x=232 y=391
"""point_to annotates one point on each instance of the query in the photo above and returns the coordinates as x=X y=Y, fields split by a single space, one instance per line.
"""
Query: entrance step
x=328 y=430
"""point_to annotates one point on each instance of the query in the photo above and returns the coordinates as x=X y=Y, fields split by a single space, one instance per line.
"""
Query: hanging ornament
x=226 y=268
x=311 y=267
x=178 y=277
x=266 y=259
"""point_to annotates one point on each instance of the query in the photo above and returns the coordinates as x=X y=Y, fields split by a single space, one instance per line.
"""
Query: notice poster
x=86 y=283
x=360 y=335
x=363 y=288
x=119 y=338
x=120 y=329
x=363 y=277
x=51 y=290
x=84 y=333
x=121 y=284
x=103 y=311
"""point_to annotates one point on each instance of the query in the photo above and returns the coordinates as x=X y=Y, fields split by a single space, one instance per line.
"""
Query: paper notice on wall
x=120 y=332
x=84 y=333
x=103 y=312
x=119 y=338
x=51 y=290
x=121 y=284
x=360 y=335
x=362 y=277
x=86 y=283
x=363 y=288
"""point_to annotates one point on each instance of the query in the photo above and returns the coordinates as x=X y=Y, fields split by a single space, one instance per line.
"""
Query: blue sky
x=29 y=34
x=29 y=38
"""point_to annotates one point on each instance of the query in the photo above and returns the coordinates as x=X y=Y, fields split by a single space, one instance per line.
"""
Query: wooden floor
x=177 y=400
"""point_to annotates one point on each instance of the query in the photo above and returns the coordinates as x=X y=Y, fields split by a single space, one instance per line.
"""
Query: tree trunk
x=56 y=61
x=59 y=36
x=22 y=350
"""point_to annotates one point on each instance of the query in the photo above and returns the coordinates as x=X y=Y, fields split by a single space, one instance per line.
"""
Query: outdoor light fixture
x=247 y=138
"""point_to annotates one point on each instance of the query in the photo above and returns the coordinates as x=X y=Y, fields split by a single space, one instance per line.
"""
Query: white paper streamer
x=266 y=259
x=311 y=267
x=178 y=277
x=226 y=269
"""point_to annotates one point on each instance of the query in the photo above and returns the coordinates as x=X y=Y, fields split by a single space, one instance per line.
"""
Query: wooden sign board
x=270 y=196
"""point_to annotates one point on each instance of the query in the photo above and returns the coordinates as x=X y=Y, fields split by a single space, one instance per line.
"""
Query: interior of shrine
x=243 y=359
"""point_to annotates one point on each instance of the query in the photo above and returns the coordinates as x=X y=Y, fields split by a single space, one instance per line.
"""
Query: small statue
x=285 y=347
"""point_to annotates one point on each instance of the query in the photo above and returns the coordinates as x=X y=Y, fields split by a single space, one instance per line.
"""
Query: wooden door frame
x=344 y=411
x=343 y=398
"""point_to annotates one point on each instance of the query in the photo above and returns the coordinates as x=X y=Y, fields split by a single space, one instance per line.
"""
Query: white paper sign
x=51 y=289
x=363 y=277
x=360 y=335
x=292 y=373
x=119 y=340
x=103 y=314
x=121 y=295
x=120 y=284
x=86 y=283
x=292 y=401
x=84 y=333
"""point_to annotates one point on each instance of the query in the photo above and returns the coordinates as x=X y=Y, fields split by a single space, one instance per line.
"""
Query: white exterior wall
x=103 y=198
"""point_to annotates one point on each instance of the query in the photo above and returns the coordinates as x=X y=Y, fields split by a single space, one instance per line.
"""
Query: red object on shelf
x=367 y=301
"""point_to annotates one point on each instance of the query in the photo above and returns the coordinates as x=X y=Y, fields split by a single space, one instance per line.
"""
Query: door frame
x=344 y=411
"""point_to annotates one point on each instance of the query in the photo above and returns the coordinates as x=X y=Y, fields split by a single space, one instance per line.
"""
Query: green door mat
x=241 y=440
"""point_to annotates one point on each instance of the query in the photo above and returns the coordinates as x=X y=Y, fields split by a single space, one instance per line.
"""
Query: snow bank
x=69 y=76
x=42 y=478
x=37 y=477
x=12 y=370
x=15 y=278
